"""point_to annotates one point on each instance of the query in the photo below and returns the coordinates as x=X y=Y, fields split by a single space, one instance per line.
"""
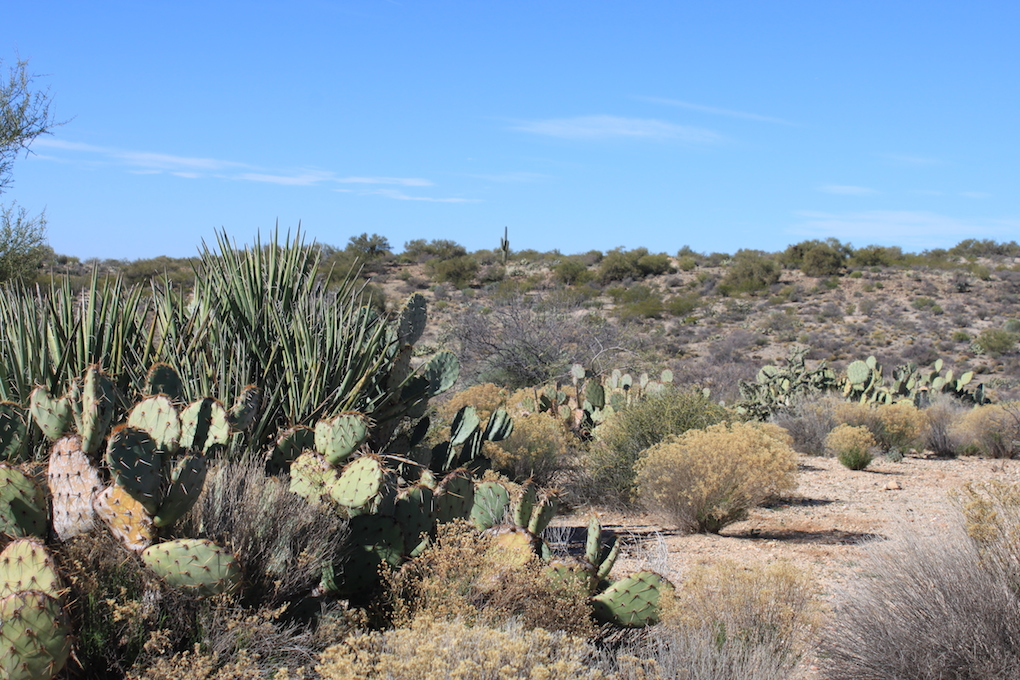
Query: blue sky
x=578 y=125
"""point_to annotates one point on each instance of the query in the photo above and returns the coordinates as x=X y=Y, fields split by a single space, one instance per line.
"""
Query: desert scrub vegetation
x=943 y=607
x=539 y=447
x=991 y=430
x=705 y=479
x=607 y=469
x=851 y=445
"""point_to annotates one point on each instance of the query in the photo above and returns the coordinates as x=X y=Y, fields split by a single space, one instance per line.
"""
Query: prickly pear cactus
x=455 y=496
x=242 y=414
x=196 y=564
x=164 y=379
x=413 y=317
x=12 y=431
x=337 y=438
x=289 y=445
x=73 y=482
x=136 y=465
x=363 y=485
x=632 y=602
x=157 y=416
x=311 y=476
x=126 y=517
x=375 y=539
x=51 y=414
x=22 y=504
x=490 y=504
x=413 y=512
x=204 y=425
x=97 y=409
x=25 y=565
x=442 y=372
x=35 y=636
x=186 y=481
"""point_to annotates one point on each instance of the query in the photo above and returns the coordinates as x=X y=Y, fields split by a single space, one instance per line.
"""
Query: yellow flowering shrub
x=538 y=446
x=705 y=479
x=851 y=444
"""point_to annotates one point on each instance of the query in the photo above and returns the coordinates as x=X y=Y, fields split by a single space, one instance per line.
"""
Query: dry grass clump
x=430 y=649
x=992 y=430
x=729 y=620
x=472 y=578
x=282 y=541
x=852 y=445
x=808 y=422
x=940 y=418
x=485 y=397
x=706 y=479
x=608 y=467
x=538 y=447
x=928 y=609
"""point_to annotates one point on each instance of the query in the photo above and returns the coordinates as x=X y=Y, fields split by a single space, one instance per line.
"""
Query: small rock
x=892 y=486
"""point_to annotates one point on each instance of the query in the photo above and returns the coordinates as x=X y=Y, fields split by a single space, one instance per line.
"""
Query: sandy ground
x=822 y=528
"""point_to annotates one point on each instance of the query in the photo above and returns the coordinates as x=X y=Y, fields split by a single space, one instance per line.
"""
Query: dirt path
x=820 y=528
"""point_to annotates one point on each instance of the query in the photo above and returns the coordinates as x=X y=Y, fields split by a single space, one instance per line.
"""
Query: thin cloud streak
x=715 y=111
x=609 y=127
x=400 y=196
x=846 y=190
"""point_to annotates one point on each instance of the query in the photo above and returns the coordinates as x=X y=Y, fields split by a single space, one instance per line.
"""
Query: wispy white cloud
x=400 y=196
x=608 y=127
x=975 y=194
x=512 y=177
x=846 y=190
x=911 y=159
x=913 y=228
x=148 y=163
x=715 y=110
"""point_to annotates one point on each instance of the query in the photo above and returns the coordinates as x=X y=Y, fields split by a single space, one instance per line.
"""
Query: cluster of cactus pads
x=777 y=387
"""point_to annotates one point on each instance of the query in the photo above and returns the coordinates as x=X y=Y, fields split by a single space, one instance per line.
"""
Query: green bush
x=996 y=341
x=459 y=270
x=572 y=271
x=706 y=479
x=750 y=272
x=608 y=466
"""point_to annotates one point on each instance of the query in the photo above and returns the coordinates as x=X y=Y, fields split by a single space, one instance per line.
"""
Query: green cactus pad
x=360 y=483
x=518 y=546
x=289 y=445
x=97 y=408
x=22 y=504
x=337 y=438
x=413 y=512
x=12 y=431
x=204 y=425
x=375 y=539
x=455 y=496
x=593 y=544
x=441 y=372
x=164 y=379
x=857 y=373
x=136 y=465
x=499 y=427
x=158 y=416
x=570 y=574
x=126 y=517
x=35 y=636
x=595 y=395
x=73 y=482
x=186 y=482
x=311 y=475
x=242 y=414
x=633 y=601
x=413 y=318
x=543 y=513
x=195 y=564
x=524 y=503
x=51 y=414
x=464 y=424
x=25 y=565
x=490 y=505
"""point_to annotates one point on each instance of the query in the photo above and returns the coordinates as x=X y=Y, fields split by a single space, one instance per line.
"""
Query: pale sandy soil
x=822 y=528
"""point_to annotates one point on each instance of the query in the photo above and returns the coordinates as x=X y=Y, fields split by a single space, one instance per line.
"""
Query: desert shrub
x=459 y=271
x=686 y=263
x=682 y=305
x=940 y=418
x=996 y=341
x=485 y=397
x=991 y=430
x=808 y=421
x=749 y=272
x=473 y=578
x=608 y=466
x=851 y=444
x=430 y=649
x=538 y=447
x=876 y=256
x=572 y=271
x=927 y=609
x=420 y=250
x=705 y=479
x=750 y=606
x=899 y=426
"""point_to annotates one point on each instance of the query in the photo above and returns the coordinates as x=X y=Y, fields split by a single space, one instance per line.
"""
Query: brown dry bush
x=485 y=397
x=538 y=447
x=896 y=427
x=430 y=649
x=851 y=444
x=992 y=430
x=809 y=421
x=706 y=479
x=940 y=418
x=472 y=578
